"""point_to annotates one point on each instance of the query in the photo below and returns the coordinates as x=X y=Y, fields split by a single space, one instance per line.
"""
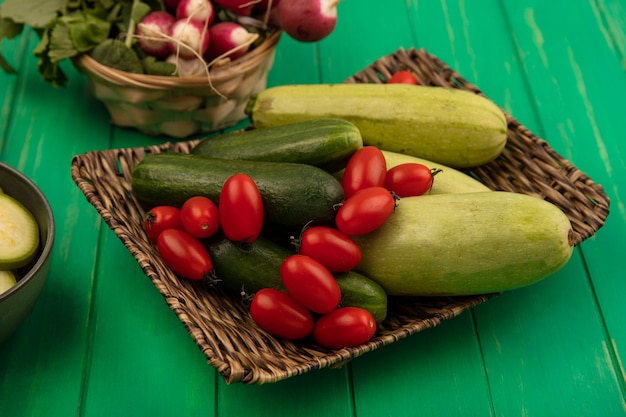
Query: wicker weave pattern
x=180 y=107
x=220 y=324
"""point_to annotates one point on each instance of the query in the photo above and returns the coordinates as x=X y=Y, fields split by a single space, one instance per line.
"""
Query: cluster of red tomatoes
x=178 y=231
x=312 y=290
x=371 y=191
x=311 y=303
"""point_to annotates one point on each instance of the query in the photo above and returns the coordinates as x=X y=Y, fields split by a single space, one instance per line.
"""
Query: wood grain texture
x=101 y=340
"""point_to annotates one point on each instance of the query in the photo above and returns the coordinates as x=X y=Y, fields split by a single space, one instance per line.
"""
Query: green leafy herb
x=33 y=13
x=50 y=71
x=115 y=54
x=68 y=28
x=66 y=37
x=153 y=66
x=139 y=11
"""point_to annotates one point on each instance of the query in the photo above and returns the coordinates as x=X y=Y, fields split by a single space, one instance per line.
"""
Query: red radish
x=152 y=33
x=307 y=20
x=171 y=5
x=228 y=36
x=199 y=10
x=240 y=7
x=190 y=39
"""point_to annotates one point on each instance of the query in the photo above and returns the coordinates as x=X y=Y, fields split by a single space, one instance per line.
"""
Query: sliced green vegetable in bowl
x=7 y=280
x=19 y=234
x=18 y=300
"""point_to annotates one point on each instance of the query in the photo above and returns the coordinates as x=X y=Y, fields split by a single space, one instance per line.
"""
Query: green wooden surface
x=102 y=342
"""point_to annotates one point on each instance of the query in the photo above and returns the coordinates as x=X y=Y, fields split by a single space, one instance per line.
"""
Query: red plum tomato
x=409 y=179
x=331 y=247
x=403 y=77
x=344 y=327
x=365 y=168
x=184 y=254
x=310 y=283
x=161 y=218
x=280 y=314
x=200 y=217
x=241 y=209
x=365 y=211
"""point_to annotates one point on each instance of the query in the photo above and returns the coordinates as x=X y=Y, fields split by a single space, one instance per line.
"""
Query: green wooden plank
x=612 y=24
x=45 y=129
x=12 y=51
x=433 y=373
x=295 y=63
x=549 y=355
x=494 y=65
x=363 y=35
x=578 y=115
x=142 y=359
x=322 y=392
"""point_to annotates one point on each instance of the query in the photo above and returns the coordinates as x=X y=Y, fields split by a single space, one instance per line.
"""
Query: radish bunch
x=192 y=33
x=189 y=35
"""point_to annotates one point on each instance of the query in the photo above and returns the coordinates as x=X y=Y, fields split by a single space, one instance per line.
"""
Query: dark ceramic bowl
x=17 y=302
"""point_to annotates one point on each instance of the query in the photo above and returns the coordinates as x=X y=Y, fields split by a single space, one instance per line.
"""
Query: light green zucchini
x=461 y=244
x=454 y=127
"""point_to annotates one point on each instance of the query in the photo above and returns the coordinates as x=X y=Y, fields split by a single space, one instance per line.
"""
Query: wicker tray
x=220 y=324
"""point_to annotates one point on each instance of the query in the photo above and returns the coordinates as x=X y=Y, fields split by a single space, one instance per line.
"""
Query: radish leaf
x=114 y=53
x=34 y=13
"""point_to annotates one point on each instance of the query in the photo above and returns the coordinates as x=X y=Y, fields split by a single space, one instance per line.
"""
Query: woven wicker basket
x=180 y=107
x=220 y=324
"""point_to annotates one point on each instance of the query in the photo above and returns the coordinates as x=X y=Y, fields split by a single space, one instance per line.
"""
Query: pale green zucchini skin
x=464 y=244
x=448 y=181
x=454 y=127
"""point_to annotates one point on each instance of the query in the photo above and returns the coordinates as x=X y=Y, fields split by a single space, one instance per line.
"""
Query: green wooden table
x=101 y=341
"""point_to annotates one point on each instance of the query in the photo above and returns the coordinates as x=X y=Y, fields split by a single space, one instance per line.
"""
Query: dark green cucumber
x=293 y=194
x=247 y=268
x=357 y=290
x=325 y=143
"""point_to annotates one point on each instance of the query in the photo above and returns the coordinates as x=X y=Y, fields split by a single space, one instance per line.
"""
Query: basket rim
x=216 y=74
